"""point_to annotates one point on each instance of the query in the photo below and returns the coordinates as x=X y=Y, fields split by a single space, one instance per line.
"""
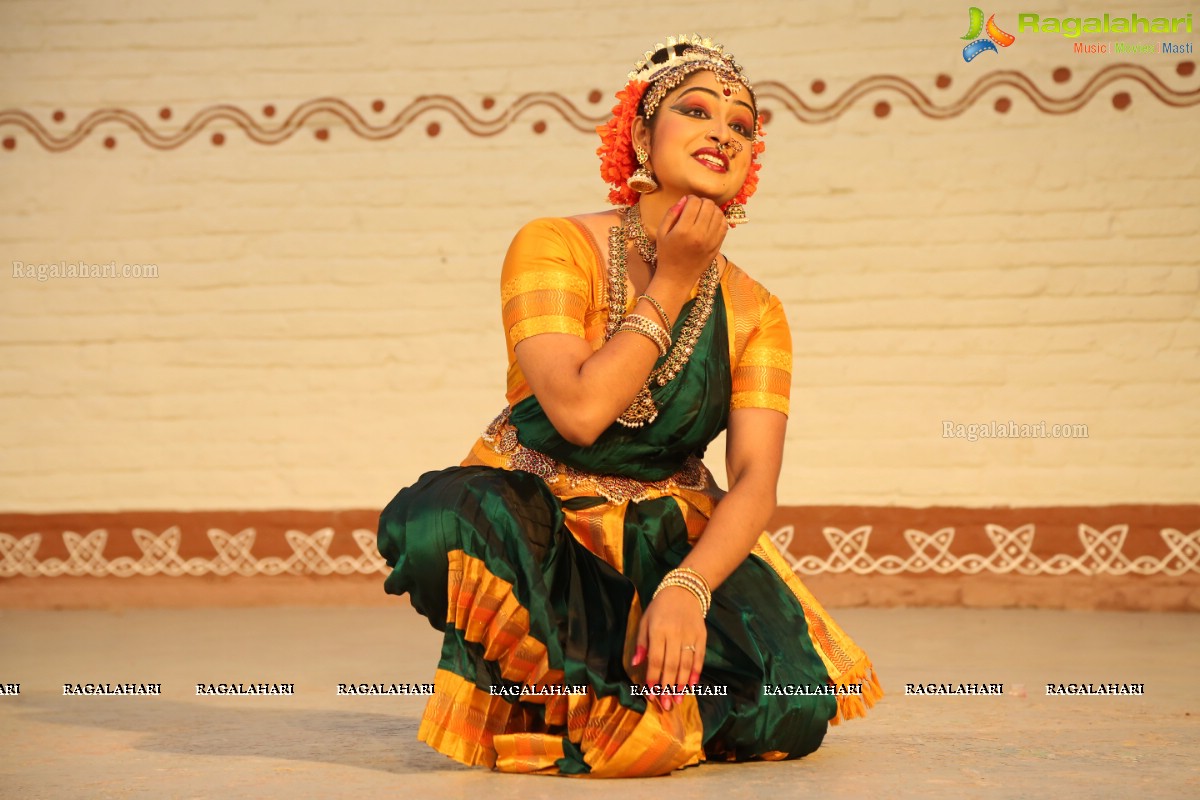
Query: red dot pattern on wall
x=1131 y=79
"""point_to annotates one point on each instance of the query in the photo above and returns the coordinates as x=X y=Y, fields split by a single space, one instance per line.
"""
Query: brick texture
x=325 y=322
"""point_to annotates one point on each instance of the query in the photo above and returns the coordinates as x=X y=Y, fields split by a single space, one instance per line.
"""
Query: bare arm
x=753 y=459
x=754 y=456
x=584 y=391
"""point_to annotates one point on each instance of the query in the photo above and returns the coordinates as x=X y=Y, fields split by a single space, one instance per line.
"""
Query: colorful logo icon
x=994 y=37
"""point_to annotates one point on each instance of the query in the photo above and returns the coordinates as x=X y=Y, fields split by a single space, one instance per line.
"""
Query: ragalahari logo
x=994 y=37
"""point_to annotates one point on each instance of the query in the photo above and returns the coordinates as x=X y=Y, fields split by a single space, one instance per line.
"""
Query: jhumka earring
x=735 y=214
x=642 y=180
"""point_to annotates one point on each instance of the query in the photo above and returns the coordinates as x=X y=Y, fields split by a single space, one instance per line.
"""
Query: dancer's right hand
x=688 y=239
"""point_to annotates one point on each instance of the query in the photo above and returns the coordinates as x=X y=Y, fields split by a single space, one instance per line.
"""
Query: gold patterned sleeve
x=542 y=287
x=763 y=375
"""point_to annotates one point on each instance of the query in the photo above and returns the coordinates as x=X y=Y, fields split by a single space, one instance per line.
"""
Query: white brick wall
x=325 y=324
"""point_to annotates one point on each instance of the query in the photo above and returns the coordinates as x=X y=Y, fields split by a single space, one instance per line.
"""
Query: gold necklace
x=642 y=410
x=645 y=247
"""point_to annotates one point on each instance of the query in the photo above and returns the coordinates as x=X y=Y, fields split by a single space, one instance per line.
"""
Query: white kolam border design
x=930 y=553
x=160 y=556
x=1011 y=554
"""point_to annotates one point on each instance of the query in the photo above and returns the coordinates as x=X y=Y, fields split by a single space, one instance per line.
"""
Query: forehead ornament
x=668 y=65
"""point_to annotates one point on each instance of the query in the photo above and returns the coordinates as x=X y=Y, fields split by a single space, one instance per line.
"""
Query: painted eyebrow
x=714 y=94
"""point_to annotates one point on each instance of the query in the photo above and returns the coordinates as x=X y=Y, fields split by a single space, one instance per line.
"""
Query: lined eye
x=743 y=129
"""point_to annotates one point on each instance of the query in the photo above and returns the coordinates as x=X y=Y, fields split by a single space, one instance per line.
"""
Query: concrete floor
x=319 y=745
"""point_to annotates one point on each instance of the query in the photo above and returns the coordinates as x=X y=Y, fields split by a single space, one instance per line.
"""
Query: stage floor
x=317 y=744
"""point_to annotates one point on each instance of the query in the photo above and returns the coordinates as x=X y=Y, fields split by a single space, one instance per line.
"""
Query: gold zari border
x=501 y=437
x=769 y=400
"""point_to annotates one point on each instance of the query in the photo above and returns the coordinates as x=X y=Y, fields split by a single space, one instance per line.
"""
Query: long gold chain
x=642 y=410
x=645 y=247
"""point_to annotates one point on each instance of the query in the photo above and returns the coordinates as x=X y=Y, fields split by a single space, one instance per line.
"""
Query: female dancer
x=607 y=610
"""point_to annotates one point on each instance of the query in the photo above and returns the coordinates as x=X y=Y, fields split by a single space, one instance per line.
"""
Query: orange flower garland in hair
x=617 y=159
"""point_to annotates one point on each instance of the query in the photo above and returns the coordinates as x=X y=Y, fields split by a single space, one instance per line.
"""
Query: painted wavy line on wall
x=306 y=115
x=318 y=114
x=991 y=82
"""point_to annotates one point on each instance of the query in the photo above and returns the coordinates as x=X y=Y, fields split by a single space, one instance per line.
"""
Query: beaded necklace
x=642 y=410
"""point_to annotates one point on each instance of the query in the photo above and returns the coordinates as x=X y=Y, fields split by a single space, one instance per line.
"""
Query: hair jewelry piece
x=642 y=180
x=669 y=64
x=662 y=70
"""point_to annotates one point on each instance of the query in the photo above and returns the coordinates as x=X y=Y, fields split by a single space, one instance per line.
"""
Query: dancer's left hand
x=671 y=640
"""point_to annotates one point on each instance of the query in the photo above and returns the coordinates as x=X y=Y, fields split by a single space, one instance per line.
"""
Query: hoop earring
x=642 y=180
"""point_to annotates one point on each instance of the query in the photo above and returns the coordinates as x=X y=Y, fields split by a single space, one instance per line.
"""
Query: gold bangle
x=657 y=307
x=648 y=335
x=703 y=580
x=694 y=582
x=696 y=592
x=648 y=328
x=644 y=321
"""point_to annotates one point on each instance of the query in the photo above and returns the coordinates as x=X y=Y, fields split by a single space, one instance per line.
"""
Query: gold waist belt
x=501 y=437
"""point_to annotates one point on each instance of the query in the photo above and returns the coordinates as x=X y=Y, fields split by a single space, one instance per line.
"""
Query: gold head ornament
x=669 y=63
